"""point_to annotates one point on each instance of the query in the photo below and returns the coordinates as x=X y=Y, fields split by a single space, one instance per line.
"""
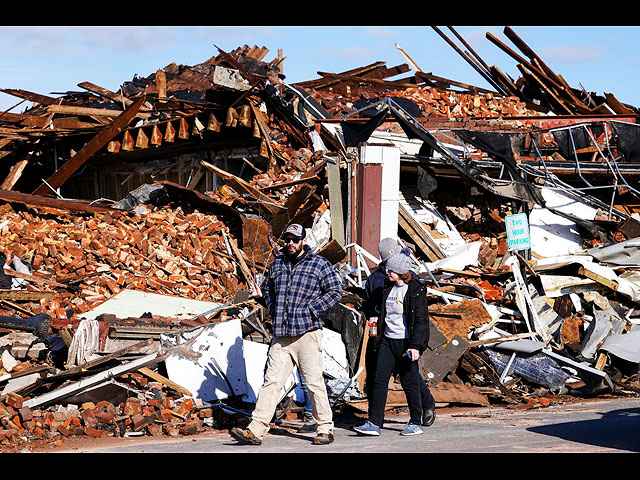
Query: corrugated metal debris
x=132 y=223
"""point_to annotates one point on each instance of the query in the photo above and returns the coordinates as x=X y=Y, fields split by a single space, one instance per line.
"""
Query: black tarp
x=628 y=140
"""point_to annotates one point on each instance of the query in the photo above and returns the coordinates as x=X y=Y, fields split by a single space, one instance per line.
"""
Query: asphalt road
x=603 y=426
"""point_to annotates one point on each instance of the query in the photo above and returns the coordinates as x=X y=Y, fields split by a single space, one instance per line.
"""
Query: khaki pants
x=305 y=351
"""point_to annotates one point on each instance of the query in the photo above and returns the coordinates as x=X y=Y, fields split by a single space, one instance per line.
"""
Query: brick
x=155 y=430
x=95 y=432
x=25 y=414
x=132 y=407
x=141 y=421
x=89 y=418
x=104 y=417
x=63 y=429
x=14 y=400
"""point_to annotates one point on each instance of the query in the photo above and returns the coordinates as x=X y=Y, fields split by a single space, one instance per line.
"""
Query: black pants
x=370 y=366
x=389 y=360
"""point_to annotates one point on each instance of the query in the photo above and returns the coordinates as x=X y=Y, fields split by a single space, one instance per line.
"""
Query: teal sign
x=517 y=231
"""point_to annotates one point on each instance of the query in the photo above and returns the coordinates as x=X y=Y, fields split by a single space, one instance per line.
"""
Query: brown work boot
x=245 y=435
x=323 y=439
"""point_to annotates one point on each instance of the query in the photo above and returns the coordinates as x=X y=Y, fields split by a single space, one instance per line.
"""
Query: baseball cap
x=296 y=230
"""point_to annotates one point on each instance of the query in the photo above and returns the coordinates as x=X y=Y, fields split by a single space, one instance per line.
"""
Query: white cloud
x=571 y=53
x=378 y=32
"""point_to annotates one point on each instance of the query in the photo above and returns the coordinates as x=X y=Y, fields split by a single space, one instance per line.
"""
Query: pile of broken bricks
x=156 y=413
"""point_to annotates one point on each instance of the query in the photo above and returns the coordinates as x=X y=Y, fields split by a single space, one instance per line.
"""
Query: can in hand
x=373 y=328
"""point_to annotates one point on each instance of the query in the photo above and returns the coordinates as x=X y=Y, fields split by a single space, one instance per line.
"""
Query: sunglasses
x=291 y=239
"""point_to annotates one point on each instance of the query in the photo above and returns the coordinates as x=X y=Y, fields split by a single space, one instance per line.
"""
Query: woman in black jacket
x=403 y=328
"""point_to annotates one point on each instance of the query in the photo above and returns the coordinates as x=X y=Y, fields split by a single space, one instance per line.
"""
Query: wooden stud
x=214 y=124
x=170 y=133
x=183 y=129
x=156 y=136
x=127 y=141
x=113 y=146
x=142 y=141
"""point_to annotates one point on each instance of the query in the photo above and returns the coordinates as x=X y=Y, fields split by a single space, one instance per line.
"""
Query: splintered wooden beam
x=39 y=201
x=95 y=144
x=34 y=97
x=242 y=186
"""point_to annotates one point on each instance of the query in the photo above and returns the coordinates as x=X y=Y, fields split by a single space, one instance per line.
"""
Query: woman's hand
x=413 y=354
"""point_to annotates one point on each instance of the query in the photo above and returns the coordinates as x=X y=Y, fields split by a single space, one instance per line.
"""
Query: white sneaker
x=412 y=429
x=368 y=428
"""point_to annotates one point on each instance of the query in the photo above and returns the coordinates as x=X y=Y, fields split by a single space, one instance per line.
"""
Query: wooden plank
x=14 y=173
x=489 y=372
x=478 y=69
x=244 y=187
x=436 y=364
x=612 y=284
x=34 y=278
x=280 y=221
x=447 y=392
x=95 y=144
x=335 y=202
x=411 y=225
x=34 y=97
x=558 y=80
x=164 y=380
x=26 y=296
x=116 y=97
x=39 y=201
x=88 y=111
x=107 y=358
x=333 y=251
x=544 y=87
x=368 y=80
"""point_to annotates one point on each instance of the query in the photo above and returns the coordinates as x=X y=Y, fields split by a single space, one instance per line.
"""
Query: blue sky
x=46 y=59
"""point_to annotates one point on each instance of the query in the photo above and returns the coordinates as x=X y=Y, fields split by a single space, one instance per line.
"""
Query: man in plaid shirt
x=300 y=286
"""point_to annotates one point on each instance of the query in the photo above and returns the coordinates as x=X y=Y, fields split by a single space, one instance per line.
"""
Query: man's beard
x=293 y=251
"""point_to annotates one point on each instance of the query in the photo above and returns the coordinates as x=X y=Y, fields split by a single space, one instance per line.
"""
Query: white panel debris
x=211 y=365
x=133 y=303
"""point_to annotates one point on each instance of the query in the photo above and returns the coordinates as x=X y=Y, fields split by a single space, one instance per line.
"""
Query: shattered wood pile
x=109 y=303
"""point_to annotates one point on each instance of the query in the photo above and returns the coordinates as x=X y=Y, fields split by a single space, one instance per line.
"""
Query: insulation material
x=552 y=234
x=536 y=368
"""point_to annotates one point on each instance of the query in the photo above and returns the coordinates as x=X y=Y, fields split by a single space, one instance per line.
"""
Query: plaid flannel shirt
x=297 y=297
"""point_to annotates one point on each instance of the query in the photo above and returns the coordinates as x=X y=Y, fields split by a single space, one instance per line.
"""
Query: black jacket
x=416 y=314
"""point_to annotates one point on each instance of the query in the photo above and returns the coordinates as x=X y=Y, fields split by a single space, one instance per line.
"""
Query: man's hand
x=255 y=291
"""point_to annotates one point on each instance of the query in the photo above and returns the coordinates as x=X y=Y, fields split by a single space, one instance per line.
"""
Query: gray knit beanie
x=387 y=247
x=399 y=263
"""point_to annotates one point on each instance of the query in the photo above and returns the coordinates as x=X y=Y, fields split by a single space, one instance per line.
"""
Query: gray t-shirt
x=396 y=326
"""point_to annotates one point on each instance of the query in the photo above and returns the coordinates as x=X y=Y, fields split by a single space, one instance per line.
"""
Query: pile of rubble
x=124 y=304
